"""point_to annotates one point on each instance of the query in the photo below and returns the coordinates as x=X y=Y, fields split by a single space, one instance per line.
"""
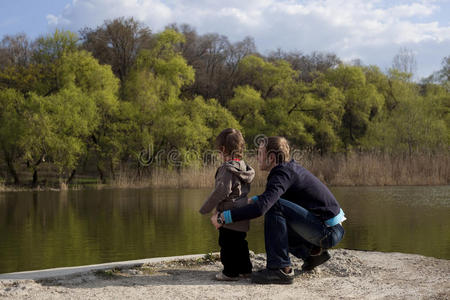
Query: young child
x=232 y=185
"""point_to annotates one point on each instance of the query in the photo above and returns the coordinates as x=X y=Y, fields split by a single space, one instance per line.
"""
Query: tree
x=414 y=126
x=60 y=110
x=15 y=50
x=12 y=128
x=47 y=56
x=405 y=62
x=362 y=102
x=307 y=66
x=153 y=89
x=442 y=76
x=247 y=106
x=215 y=60
x=17 y=70
x=117 y=43
x=265 y=76
x=73 y=116
x=326 y=111
x=97 y=84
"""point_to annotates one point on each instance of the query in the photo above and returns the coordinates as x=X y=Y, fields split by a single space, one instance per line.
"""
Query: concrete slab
x=66 y=271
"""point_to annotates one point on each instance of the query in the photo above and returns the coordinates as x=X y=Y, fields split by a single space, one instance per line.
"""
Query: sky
x=372 y=31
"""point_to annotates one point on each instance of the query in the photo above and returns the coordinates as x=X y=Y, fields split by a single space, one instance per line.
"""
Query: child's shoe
x=222 y=277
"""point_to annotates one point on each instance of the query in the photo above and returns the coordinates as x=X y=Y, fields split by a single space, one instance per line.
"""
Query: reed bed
x=369 y=169
x=198 y=176
x=356 y=169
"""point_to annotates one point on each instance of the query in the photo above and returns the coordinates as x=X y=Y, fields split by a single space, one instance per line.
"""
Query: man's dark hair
x=279 y=146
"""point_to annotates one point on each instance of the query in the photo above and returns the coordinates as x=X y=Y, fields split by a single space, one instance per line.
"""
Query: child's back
x=232 y=185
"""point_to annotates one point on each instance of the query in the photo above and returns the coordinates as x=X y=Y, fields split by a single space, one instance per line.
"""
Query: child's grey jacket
x=232 y=186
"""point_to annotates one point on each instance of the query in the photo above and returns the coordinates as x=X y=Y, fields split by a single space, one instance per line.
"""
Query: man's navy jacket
x=292 y=182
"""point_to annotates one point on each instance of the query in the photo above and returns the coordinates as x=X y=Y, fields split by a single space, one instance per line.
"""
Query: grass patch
x=148 y=270
x=207 y=259
x=108 y=274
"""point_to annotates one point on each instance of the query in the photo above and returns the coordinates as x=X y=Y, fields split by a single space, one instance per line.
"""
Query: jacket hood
x=241 y=170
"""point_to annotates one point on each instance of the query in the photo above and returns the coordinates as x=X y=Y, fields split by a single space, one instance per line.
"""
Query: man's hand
x=214 y=221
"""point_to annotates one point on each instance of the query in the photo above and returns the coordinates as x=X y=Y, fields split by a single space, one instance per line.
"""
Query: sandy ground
x=348 y=274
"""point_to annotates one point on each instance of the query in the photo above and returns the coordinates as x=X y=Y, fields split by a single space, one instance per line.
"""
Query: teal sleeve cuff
x=227 y=217
x=337 y=219
x=254 y=198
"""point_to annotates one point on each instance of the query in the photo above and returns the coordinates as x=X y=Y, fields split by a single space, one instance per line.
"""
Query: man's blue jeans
x=289 y=227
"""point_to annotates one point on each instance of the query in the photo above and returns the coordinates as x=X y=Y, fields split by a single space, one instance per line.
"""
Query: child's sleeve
x=221 y=191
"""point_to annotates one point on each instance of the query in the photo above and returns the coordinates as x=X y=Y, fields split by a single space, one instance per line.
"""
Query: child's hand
x=214 y=221
x=249 y=201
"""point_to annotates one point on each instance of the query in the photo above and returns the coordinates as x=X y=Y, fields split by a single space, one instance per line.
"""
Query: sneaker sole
x=280 y=281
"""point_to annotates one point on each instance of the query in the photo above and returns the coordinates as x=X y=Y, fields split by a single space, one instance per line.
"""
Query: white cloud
x=370 y=30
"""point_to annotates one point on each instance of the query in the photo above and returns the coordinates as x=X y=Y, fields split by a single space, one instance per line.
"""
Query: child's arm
x=221 y=191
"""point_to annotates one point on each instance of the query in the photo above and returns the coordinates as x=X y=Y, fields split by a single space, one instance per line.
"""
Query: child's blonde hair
x=231 y=142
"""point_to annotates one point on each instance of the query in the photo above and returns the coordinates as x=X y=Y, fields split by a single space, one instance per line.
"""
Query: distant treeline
x=111 y=92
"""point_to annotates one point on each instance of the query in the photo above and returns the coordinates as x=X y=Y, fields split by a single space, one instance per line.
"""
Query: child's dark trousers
x=234 y=253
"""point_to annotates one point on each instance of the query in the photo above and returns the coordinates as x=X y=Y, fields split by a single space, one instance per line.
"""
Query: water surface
x=54 y=229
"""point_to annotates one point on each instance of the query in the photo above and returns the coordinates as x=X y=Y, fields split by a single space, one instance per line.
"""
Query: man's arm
x=279 y=180
x=221 y=191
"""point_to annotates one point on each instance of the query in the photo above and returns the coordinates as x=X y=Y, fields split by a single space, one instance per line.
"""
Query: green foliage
x=99 y=87
x=52 y=47
x=73 y=116
x=247 y=106
x=213 y=116
x=415 y=125
x=157 y=116
x=164 y=65
x=362 y=102
x=54 y=123
x=60 y=105
x=13 y=129
x=266 y=76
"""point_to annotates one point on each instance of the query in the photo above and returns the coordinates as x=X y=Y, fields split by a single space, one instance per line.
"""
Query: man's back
x=292 y=182
x=308 y=191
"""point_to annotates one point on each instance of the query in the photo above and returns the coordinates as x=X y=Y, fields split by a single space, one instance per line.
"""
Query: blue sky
x=372 y=31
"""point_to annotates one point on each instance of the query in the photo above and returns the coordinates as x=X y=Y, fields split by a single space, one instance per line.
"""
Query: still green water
x=54 y=229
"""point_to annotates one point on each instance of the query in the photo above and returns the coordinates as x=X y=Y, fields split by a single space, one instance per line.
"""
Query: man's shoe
x=316 y=251
x=314 y=261
x=222 y=277
x=273 y=276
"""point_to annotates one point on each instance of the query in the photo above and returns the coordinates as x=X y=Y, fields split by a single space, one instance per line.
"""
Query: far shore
x=355 y=169
x=77 y=187
x=349 y=274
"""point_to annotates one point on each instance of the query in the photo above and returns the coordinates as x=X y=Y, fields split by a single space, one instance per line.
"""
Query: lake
x=50 y=229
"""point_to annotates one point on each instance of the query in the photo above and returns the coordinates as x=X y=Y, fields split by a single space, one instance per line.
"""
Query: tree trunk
x=100 y=173
x=113 y=174
x=35 y=172
x=35 y=179
x=11 y=168
x=72 y=175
